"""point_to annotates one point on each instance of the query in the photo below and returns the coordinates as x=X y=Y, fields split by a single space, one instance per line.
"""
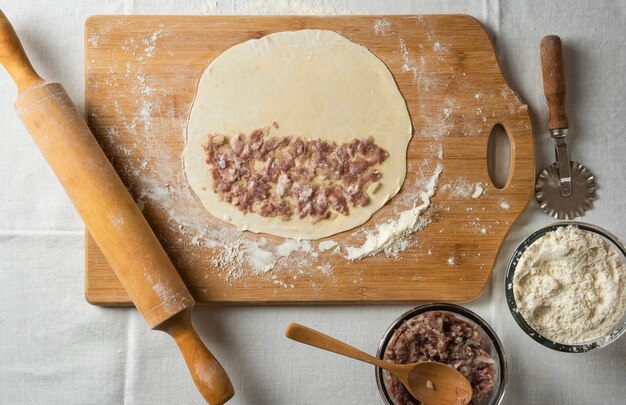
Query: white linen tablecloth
x=55 y=348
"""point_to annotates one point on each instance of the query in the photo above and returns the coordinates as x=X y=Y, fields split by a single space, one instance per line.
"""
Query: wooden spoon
x=430 y=382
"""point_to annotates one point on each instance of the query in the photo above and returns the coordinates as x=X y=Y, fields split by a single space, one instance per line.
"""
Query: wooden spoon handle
x=13 y=57
x=554 y=81
x=317 y=339
x=207 y=373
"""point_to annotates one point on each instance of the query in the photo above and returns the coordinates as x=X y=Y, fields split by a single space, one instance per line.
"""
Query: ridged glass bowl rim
x=457 y=310
x=510 y=296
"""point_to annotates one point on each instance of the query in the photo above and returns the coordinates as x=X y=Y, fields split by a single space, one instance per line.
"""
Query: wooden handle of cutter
x=552 y=69
x=110 y=213
x=13 y=57
x=207 y=373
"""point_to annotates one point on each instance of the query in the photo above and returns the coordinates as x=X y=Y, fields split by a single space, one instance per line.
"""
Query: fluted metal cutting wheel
x=550 y=198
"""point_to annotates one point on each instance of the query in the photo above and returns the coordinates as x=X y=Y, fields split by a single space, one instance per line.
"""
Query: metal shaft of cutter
x=562 y=159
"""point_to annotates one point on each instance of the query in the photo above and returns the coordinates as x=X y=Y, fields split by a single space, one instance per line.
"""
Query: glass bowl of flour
x=566 y=286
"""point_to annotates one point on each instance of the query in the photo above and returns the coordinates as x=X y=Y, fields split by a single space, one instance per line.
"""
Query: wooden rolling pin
x=110 y=213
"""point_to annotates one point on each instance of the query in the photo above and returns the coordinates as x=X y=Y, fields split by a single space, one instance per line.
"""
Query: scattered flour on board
x=461 y=188
x=327 y=268
x=409 y=63
x=228 y=254
x=439 y=48
x=382 y=27
x=504 y=204
x=393 y=237
x=479 y=225
x=326 y=245
x=478 y=191
x=289 y=246
x=151 y=43
x=93 y=40
x=160 y=182
x=261 y=260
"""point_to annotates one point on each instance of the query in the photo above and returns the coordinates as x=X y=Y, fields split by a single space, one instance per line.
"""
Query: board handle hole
x=499 y=156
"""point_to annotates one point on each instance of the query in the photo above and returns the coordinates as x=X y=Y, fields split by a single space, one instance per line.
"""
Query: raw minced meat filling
x=440 y=336
x=282 y=176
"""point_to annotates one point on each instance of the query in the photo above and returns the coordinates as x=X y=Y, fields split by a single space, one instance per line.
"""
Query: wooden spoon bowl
x=430 y=382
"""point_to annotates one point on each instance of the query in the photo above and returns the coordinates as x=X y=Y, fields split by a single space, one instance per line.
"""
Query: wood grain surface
x=141 y=74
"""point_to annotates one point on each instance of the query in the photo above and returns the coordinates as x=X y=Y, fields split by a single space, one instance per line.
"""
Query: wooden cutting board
x=141 y=74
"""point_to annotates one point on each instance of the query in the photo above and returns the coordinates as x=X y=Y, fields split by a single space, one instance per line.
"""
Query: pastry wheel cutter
x=565 y=189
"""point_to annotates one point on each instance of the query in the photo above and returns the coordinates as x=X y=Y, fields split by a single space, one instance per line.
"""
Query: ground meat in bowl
x=440 y=336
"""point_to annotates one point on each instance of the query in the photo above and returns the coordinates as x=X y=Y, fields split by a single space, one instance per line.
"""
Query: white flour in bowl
x=569 y=286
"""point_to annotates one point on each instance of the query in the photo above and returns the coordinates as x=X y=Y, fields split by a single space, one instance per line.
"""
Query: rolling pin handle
x=207 y=373
x=14 y=59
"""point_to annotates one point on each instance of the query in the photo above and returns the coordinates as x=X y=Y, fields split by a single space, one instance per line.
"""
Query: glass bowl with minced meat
x=448 y=334
x=566 y=286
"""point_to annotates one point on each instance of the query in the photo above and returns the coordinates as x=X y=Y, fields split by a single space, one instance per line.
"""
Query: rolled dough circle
x=314 y=84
